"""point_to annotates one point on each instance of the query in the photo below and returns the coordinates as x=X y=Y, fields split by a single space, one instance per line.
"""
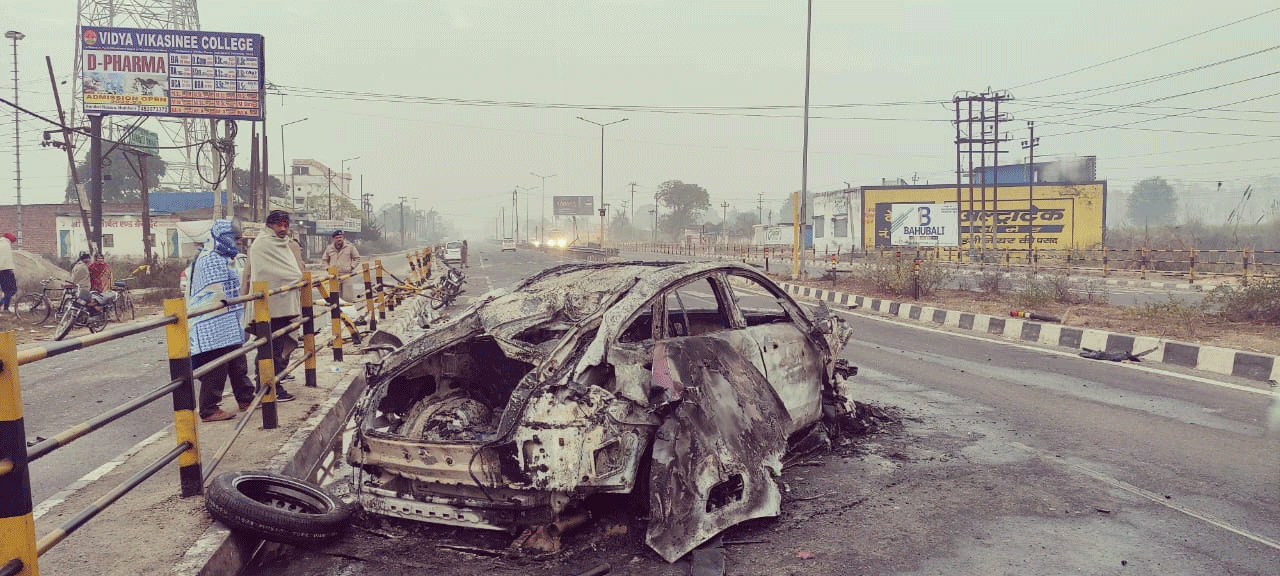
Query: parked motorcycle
x=89 y=309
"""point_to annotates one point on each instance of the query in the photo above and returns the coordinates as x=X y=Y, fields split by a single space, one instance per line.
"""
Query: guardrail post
x=18 y=547
x=426 y=264
x=335 y=314
x=370 y=317
x=1192 y=267
x=266 y=356
x=184 y=398
x=382 y=292
x=309 y=329
x=413 y=267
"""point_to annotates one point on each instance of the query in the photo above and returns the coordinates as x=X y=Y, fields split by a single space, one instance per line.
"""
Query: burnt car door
x=790 y=357
x=724 y=429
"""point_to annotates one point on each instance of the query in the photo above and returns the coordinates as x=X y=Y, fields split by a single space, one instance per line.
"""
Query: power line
x=1143 y=51
x=1127 y=124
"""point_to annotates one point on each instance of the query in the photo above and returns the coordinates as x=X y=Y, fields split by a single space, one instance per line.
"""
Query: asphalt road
x=1005 y=459
x=66 y=390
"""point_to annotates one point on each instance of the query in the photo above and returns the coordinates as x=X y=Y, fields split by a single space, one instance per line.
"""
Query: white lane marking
x=62 y=495
x=1157 y=371
x=1158 y=499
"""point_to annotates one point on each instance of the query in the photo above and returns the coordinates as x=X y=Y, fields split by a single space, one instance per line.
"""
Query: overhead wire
x=1145 y=50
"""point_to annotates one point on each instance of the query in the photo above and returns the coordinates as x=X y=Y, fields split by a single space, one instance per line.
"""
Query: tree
x=1153 y=202
x=120 y=182
x=274 y=186
x=684 y=202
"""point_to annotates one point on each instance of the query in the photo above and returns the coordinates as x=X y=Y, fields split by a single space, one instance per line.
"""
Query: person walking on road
x=213 y=279
x=344 y=257
x=272 y=260
x=8 y=282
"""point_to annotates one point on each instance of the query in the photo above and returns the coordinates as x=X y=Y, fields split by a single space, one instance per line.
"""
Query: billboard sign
x=187 y=73
x=144 y=140
x=573 y=206
x=1054 y=216
x=923 y=224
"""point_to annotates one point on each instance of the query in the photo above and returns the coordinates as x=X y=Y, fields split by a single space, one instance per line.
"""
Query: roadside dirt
x=1260 y=338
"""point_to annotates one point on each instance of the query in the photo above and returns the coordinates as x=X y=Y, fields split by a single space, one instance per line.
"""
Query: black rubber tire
x=34 y=308
x=65 y=323
x=96 y=322
x=124 y=308
x=276 y=507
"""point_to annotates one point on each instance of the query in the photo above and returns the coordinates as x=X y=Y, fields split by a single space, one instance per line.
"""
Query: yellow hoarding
x=1052 y=216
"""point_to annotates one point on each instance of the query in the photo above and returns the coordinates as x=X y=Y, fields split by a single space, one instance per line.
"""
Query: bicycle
x=37 y=307
x=124 y=301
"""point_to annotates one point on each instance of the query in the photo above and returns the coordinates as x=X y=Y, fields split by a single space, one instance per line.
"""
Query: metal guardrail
x=1194 y=264
x=19 y=548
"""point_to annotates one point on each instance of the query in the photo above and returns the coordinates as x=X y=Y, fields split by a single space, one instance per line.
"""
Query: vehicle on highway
x=684 y=385
x=452 y=253
x=508 y=244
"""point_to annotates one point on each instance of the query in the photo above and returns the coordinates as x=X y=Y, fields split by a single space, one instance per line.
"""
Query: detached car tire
x=276 y=507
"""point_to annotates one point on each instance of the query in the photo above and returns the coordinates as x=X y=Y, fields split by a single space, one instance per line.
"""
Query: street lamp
x=602 y=126
x=17 y=146
x=293 y=191
x=342 y=174
x=542 y=234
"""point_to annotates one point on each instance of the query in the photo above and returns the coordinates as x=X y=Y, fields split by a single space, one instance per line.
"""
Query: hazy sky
x=715 y=90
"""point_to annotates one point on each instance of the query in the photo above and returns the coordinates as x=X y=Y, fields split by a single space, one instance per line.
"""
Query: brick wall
x=39 y=234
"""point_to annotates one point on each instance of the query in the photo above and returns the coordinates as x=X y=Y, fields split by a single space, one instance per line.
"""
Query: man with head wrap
x=213 y=279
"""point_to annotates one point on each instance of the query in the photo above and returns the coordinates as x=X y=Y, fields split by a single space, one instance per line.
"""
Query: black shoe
x=287 y=378
x=283 y=396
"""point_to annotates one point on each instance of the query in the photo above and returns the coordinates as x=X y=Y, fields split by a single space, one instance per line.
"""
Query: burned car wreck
x=683 y=383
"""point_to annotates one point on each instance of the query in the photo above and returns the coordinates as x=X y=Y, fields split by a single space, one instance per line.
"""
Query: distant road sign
x=145 y=140
x=573 y=206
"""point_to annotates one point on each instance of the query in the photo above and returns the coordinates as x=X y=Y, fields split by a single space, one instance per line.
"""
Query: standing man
x=80 y=272
x=272 y=260
x=8 y=282
x=344 y=257
x=464 y=253
x=213 y=279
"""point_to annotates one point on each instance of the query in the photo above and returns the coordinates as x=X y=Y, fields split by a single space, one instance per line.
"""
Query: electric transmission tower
x=181 y=170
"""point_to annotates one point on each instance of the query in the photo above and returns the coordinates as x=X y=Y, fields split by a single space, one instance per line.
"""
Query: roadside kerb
x=218 y=551
x=1251 y=365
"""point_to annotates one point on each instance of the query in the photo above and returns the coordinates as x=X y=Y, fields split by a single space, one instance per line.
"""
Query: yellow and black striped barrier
x=18 y=547
x=382 y=291
x=184 y=398
x=370 y=317
x=309 y=330
x=335 y=313
x=266 y=356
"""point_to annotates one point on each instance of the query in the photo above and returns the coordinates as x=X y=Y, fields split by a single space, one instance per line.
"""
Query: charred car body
x=586 y=379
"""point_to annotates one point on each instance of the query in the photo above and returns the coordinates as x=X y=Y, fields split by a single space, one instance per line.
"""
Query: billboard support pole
x=146 y=211
x=95 y=182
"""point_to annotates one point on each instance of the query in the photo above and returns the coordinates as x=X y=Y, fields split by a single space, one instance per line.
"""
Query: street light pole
x=602 y=126
x=17 y=145
x=293 y=192
x=542 y=234
x=346 y=188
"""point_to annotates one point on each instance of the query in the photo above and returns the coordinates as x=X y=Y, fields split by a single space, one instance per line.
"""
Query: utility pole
x=515 y=214
x=983 y=136
x=542 y=233
x=724 y=220
x=1030 y=145
x=760 y=208
x=17 y=142
x=633 y=205
x=66 y=146
x=803 y=199
x=402 y=199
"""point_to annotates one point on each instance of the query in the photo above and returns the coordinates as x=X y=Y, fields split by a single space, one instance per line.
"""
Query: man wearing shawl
x=213 y=279
x=272 y=260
